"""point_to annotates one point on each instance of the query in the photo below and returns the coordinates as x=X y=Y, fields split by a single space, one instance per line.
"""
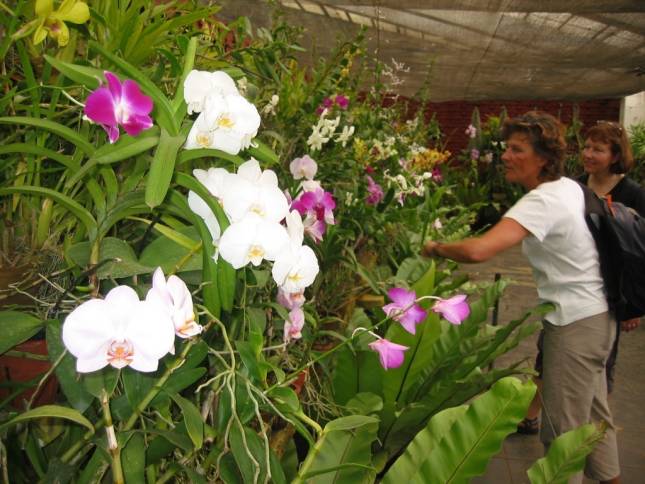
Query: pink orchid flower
x=318 y=201
x=119 y=104
x=436 y=174
x=453 y=310
x=390 y=354
x=404 y=309
x=375 y=192
x=342 y=101
x=293 y=326
x=304 y=167
x=290 y=300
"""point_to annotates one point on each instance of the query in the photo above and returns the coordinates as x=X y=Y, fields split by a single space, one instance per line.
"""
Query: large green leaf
x=27 y=148
x=127 y=147
x=189 y=155
x=250 y=442
x=475 y=437
x=17 y=327
x=342 y=453
x=356 y=372
x=56 y=128
x=163 y=166
x=167 y=253
x=54 y=411
x=263 y=153
x=133 y=459
x=192 y=420
x=123 y=262
x=424 y=442
x=566 y=455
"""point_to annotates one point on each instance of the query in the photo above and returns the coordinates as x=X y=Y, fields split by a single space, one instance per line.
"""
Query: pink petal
x=100 y=107
x=135 y=101
x=136 y=123
x=112 y=131
x=402 y=297
x=114 y=85
x=390 y=354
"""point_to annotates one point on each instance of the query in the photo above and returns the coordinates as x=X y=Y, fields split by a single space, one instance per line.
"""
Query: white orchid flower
x=176 y=298
x=316 y=139
x=252 y=239
x=119 y=330
x=345 y=135
x=296 y=266
x=227 y=123
x=304 y=167
x=254 y=191
x=201 y=84
x=215 y=180
x=201 y=208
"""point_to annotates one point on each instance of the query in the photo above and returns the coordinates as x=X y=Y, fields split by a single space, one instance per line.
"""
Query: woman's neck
x=603 y=183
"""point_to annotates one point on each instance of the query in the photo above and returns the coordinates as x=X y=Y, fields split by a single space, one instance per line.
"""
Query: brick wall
x=454 y=116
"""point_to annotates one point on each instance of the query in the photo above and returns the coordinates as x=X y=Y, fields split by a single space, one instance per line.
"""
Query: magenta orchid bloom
x=375 y=192
x=342 y=101
x=404 y=309
x=317 y=201
x=390 y=354
x=119 y=104
x=436 y=174
x=453 y=310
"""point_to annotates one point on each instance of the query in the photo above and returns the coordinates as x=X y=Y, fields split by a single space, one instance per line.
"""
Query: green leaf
x=133 y=459
x=259 y=452
x=356 y=372
x=192 y=420
x=189 y=155
x=70 y=204
x=170 y=249
x=343 y=452
x=162 y=167
x=365 y=403
x=96 y=382
x=124 y=262
x=251 y=355
x=53 y=127
x=136 y=385
x=424 y=442
x=127 y=147
x=54 y=411
x=17 y=327
x=285 y=399
x=263 y=153
x=566 y=455
x=89 y=77
x=475 y=437
x=66 y=374
x=31 y=149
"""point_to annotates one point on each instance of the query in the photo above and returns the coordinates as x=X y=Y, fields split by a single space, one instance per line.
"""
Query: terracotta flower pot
x=17 y=369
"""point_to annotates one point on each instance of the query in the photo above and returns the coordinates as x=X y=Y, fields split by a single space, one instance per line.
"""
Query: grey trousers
x=575 y=388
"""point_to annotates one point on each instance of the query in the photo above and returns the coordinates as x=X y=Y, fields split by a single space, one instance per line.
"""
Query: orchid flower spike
x=176 y=298
x=404 y=308
x=119 y=330
x=119 y=104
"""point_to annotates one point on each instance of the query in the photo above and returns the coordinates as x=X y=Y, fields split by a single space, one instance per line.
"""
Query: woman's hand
x=630 y=324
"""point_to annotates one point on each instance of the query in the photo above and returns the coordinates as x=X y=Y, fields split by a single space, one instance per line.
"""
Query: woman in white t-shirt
x=578 y=333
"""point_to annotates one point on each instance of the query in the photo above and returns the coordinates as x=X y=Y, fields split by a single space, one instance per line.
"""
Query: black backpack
x=619 y=233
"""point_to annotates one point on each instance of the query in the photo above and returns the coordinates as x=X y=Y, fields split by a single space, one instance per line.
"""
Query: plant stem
x=113 y=444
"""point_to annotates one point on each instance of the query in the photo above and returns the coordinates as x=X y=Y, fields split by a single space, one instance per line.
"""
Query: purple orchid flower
x=390 y=354
x=436 y=174
x=119 y=104
x=342 y=101
x=404 y=309
x=453 y=310
x=375 y=192
x=317 y=201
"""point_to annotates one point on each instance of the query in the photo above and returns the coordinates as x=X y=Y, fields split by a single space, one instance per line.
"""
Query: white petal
x=152 y=334
x=223 y=83
x=227 y=141
x=196 y=87
x=88 y=328
x=93 y=362
x=273 y=237
x=295 y=228
x=250 y=170
x=119 y=302
x=237 y=239
x=214 y=180
x=200 y=207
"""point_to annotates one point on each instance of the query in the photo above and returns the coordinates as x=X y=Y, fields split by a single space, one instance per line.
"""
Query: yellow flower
x=52 y=22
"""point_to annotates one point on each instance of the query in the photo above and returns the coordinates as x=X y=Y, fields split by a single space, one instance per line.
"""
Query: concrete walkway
x=627 y=400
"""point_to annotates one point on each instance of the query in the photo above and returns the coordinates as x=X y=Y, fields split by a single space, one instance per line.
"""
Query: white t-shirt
x=561 y=250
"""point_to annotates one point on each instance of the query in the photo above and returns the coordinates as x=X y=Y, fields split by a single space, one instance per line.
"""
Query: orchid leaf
x=53 y=127
x=70 y=204
x=17 y=327
x=127 y=147
x=90 y=77
x=263 y=153
x=45 y=153
x=162 y=167
x=192 y=420
x=188 y=155
x=54 y=411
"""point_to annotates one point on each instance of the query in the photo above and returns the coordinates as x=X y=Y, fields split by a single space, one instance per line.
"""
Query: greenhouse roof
x=484 y=49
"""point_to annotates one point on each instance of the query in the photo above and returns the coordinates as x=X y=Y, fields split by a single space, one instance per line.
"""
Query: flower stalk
x=113 y=445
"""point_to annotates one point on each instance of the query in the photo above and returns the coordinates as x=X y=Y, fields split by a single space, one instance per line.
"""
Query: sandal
x=529 y=426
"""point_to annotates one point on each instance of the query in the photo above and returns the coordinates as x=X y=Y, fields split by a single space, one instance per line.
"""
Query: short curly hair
x=614 y=135
x=546 y=135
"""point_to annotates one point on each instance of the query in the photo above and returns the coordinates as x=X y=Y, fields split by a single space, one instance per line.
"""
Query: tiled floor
x=627 y=401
